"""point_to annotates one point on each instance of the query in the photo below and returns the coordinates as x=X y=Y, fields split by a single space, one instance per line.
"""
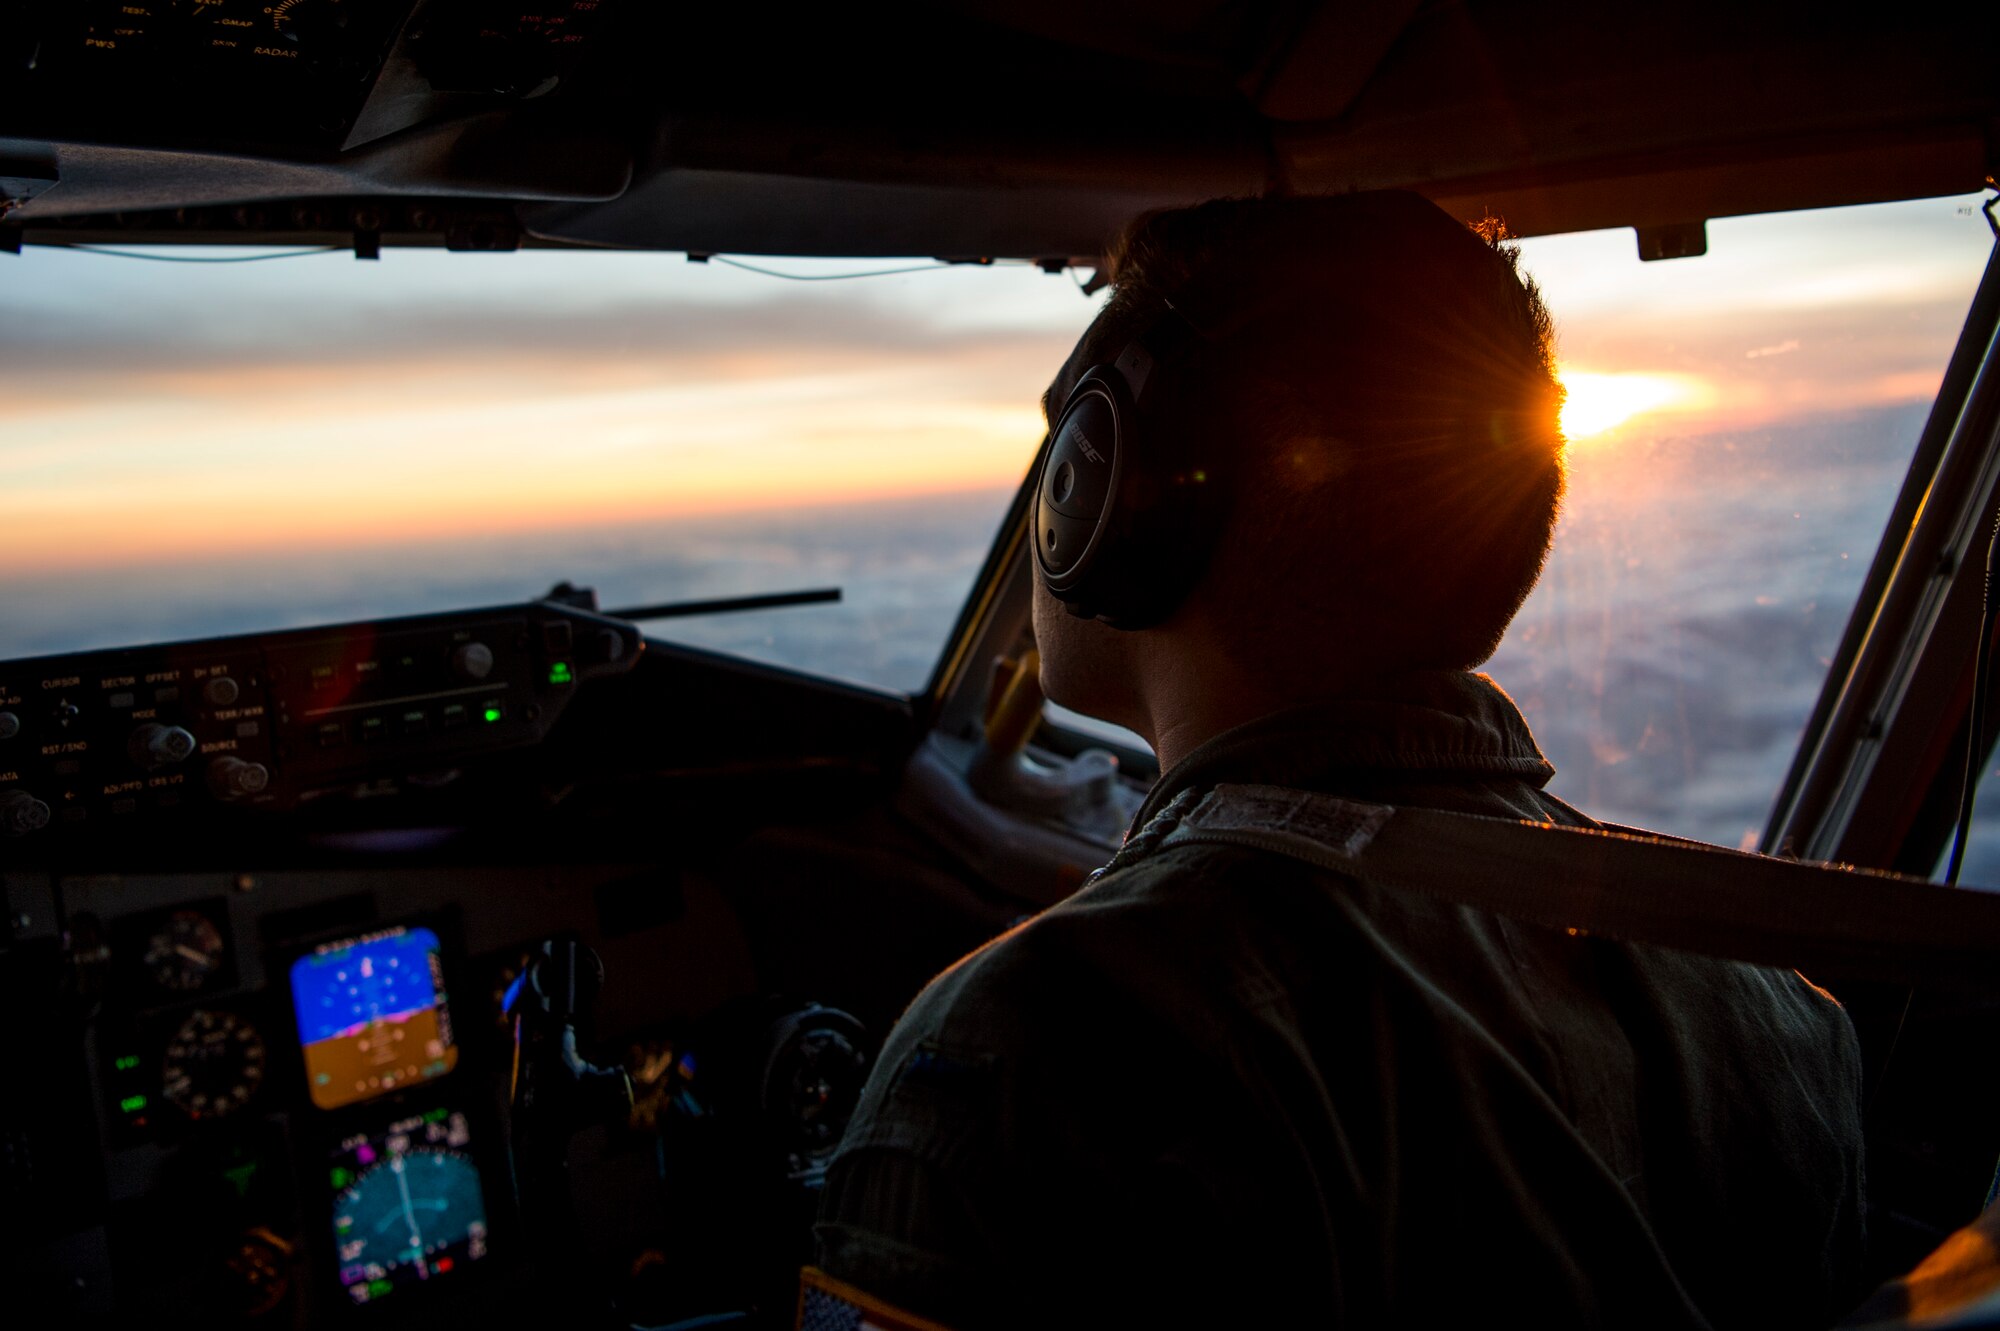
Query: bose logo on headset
x=1124 y=511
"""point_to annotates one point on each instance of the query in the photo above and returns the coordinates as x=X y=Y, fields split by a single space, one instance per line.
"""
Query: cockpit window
x=196 y=449
x=1739 y=424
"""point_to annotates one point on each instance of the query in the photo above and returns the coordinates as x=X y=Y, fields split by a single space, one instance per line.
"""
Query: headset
x=1126 y=509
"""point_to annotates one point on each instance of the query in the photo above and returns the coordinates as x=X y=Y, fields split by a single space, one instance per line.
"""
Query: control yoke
x=556 y=1093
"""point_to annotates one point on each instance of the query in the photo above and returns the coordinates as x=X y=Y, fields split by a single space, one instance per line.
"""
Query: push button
x=370 y=729
x=331 y=734
x=453 y=716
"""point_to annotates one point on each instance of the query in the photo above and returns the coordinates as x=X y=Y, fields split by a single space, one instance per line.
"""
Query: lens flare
x=1595 y=404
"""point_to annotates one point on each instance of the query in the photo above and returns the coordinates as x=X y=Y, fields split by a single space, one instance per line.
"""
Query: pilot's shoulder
x=1159 y=935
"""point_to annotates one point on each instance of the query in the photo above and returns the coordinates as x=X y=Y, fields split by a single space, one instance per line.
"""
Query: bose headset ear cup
x=1078 y=485
x=1123 y=523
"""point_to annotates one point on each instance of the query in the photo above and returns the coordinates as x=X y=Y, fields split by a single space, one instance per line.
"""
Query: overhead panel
x=267 y=74
x=972 y=130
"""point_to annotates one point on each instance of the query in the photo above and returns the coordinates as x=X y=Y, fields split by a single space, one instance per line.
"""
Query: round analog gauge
x=213 y=1064
x=408 y=1218
x=185 y=952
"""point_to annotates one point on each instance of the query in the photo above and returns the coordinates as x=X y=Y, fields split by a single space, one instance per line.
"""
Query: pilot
x=1313 y=469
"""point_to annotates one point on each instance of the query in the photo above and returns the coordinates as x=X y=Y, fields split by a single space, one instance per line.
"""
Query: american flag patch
x=826 y=1304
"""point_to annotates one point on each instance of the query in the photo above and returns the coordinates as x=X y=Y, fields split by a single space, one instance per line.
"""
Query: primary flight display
x=372 y=1015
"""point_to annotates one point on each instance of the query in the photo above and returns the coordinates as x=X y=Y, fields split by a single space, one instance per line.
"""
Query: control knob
x=154 y=745
x=472 y=660
x=10 y=725
x=234 y=779
x=220 y=691
x=21 y=813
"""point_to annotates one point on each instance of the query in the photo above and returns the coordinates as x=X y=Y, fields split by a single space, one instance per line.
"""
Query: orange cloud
x=309 y=455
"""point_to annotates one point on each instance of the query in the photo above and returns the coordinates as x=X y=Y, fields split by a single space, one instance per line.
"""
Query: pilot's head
x=1351 y=433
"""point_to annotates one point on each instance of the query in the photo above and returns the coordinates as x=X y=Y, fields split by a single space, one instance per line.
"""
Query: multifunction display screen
x=407 y=1205
x=372 y=1015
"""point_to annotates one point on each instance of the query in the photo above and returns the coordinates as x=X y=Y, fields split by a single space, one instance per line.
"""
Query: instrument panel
x=262 y=1054
x=295 y=1082
x=146 y=734
x=291 y=1095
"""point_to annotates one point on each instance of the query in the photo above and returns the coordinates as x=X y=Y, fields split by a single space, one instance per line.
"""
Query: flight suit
x=1223 y=1087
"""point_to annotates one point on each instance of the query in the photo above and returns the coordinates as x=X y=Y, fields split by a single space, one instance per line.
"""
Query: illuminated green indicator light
x=340 y=1179
x=492 y=714
x=127 y=1062
x=377 y=1288
x=436 y=1116
x=132 y=1104
x=559 y=673
x=241 y=1177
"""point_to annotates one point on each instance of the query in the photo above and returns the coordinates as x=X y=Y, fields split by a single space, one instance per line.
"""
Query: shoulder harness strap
x=1826 y=919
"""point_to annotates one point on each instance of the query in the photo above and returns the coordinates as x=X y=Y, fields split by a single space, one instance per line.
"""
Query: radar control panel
x=140 y=734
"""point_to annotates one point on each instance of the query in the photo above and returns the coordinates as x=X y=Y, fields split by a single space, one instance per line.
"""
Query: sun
x=1597 y=403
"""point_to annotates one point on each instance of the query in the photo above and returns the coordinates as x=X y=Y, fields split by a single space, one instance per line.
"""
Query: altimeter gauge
x=185 y=952
x=213 y=1065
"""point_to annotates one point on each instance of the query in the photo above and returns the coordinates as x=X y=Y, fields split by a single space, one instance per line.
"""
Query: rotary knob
x=154 y=745
x=220 y=691
x=21 y=813
x=235 y=779
x=472 y=660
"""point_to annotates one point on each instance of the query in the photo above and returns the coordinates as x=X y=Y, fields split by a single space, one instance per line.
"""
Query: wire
x=1968 y=788
x=1982 y=678
x=342 y=249
x=824 y=277
x=206 y=258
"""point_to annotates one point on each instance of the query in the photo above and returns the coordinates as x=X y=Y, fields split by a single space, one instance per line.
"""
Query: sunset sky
x=193 y=450
x=161 y=411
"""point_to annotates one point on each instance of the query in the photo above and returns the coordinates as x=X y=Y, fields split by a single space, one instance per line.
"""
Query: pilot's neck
x=1195 y=689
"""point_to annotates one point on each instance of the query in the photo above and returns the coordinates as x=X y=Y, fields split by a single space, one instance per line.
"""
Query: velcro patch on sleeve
x=826 y=1304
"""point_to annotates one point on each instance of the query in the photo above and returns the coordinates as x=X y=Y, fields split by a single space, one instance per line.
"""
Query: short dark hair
x=1372 y=341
